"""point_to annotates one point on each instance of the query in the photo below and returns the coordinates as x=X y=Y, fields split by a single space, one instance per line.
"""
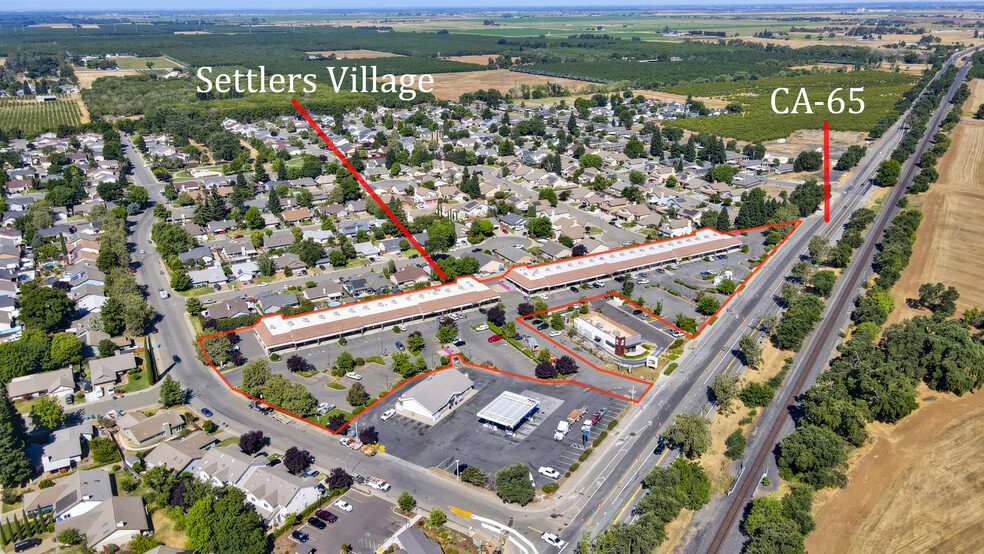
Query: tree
x=691 y=432
x=368 y=435
x=171 y=393
x=735 y=444
x=816 y=455
x=255 y=375
x=756 y=395
x=545 y=370
x=823 y=282
x=252 y=441
x=415 y=342
x=296 y=460
x=357 y=395
x=750 y=350
x=707 y=304
x=446 y=333
x=180 y=281
x=540 y=227
x=338 y=478
x=808 y=160
x=724 y=390
x=525 y=309
x=512 y=484
x=888 y=173
x=46 y=308
x=69 y=537
x=437 y=517
x=65 y=349
x=819 y=248
x=406 y=501
x=15 y=465
x=47 y=412
x=106 y=348
x=103 y=450
x=225 y=523
x=297 y=363
x=496 y=315
x=566 y=365
x=143 y=543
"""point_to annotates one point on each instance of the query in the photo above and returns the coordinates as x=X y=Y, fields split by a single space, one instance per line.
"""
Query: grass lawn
x=229 y=441
x=136 y=382
x=311 y=373
x=141 y=63
x=336 y=386
x=198 y=291
x=24 y=406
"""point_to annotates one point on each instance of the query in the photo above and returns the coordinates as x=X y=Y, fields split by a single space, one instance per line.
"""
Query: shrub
x=45 y=483
x=573 y=467
x=550 y=488
x=735 y=444
x=208 y=426
x=756 y=394
x=274 y=357
x=612 y=424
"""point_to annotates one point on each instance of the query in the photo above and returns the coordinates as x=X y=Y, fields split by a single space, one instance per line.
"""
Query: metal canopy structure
x=508 y=410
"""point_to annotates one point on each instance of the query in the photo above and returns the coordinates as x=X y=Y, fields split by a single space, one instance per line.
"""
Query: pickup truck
x=378 y=484
x=562 y=429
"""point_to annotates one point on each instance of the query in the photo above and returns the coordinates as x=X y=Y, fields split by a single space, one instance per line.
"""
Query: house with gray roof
x=181 y=455
x=55 y=383
x=106 y=371
x=226 y=466
x=196 y=255
x=63 y=449
x=72 y=496
x=324 y=289
x=274 y=302
x=144 y=430
x=116 y=520
x=275 y=493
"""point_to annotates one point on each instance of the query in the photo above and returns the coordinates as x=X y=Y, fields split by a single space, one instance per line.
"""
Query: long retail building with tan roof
x=278 y=333
x=553 y=275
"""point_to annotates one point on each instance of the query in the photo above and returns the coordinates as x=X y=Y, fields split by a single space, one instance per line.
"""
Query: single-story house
x=54 y=383
x=106 y=371
x=144 y=430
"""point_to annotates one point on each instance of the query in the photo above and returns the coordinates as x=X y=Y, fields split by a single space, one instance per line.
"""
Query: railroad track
x=816 y=352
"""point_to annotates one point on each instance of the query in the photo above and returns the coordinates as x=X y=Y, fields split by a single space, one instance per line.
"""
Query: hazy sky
x=247 y=5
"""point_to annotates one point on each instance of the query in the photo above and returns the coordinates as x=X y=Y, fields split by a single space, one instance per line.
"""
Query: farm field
x=917 y=488
x=759 y=123
x=948 y=246
x=88 y=76
x=449 y=86
x=34 y=117
x=354 y=54
x=141 y=63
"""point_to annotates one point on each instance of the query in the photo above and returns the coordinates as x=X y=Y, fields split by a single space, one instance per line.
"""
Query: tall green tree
x=15 y=465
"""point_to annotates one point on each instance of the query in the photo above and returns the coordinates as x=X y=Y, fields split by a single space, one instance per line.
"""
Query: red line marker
x=826 y=171
x=366 y=186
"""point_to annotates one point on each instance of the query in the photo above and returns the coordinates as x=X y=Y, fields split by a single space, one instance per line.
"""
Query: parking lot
x=371 y=521
x=460 y=436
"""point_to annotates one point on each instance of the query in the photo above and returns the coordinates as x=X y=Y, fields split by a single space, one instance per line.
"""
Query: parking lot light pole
x=456 y=466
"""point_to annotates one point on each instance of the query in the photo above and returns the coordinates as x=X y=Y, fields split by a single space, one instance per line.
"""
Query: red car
x=495 y=338
x=326 y=515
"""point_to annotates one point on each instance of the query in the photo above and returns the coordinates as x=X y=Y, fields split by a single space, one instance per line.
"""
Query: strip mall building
x=279 y=333
x=585 y=269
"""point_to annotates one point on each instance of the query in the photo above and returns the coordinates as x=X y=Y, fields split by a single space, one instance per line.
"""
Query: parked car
x=162 y=293
x=402 y=327
x=315 y=522
x=400 y=347
x=207 y=413
x=482 y=327
x=312 y=472
x=556 y=333
x=549 y=472
x=544 y=296
x=354 y=375
x=26 y=544
x=495 y=338
x=273 y=462
x=542 y=326
x=342 y=505
x=575 y=289
x=388 y=414
x=326 y=515
x=299 y=536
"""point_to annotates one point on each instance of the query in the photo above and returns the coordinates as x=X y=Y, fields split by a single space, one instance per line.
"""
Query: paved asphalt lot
x=371 y=521
x=460 y=435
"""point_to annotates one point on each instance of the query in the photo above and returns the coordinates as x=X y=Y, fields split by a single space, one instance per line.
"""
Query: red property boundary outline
x=365 y=185
x=629 y=301
x=451 y=358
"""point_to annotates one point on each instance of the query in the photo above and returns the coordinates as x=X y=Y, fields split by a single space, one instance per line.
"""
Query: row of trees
x=258 y=381
x=684 y=484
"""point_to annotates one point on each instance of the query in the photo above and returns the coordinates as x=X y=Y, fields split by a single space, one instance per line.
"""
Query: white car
x=482 y=327
x=544 y=296
x=549 y=472
x=556 y=333
x=111 y=414
x=343 y=505
x=143 y=251
x=387 y=414
x=402 y=327
x=354 y=375
x=643 y=281
x=552 y=540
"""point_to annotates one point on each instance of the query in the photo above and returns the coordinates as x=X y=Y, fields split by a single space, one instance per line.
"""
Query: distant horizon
x=89 y=7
